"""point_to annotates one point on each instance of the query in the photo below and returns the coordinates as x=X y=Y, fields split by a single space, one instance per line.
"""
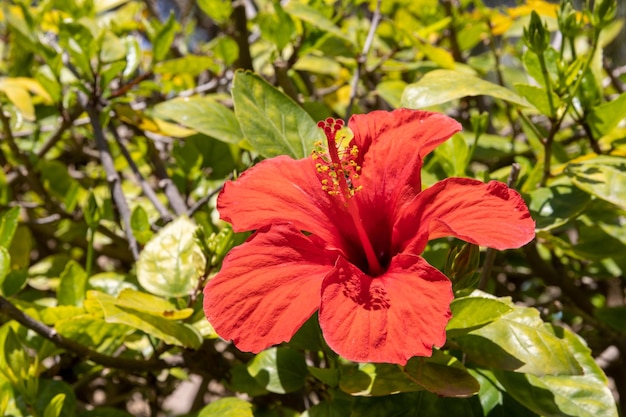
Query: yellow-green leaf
x=171 y=263
x=442 y=86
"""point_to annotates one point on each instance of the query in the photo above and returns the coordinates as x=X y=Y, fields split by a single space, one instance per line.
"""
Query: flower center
x=338 y=171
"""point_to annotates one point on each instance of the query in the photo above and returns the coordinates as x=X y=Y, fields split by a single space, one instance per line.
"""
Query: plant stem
x=362 y=58
x=113 y=177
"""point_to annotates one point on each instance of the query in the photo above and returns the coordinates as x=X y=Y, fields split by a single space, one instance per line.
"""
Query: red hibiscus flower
x=341 y=233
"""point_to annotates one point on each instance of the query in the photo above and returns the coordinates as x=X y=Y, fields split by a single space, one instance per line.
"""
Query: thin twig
x=113 y=177
x=198 y=204
x=362 y=58
x=66 y=123
x=147 y=190
x=8 y=309
x=174 y=198
x=490 y=254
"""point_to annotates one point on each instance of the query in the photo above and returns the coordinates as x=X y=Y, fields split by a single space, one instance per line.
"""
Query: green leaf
x=53 y=409
x=91 y=330
x=443 y=375
x=78 y=41
x=436 y=54
x=277 y=27
x=193 y=65
x=151 y=304
x=225 y=49
x=218 y=10
x=72 y=285
x=613 y=316
x=164 y=38
x=413 y=404
x=475 y=311
x=206 y=116
x=335 y=408
x=5 y=265
x=279 y=369
x=271 y=121
x=442 y=86
x=171 y=332
x=605 y=117
x=585 y=395
x=314 y=17
x=171 y=263
x=553 y=206
x=328 y=376
x=391 y=91
x=241 y=381
x=61 y=185
x=538 y=97
x=8 y=225
x=227 y=407
x=49 y=390
x=519 y=341
x=112 y=48
x=453 y=156
x=376 y=379
x=140 y=225
x=533 y=65
x=603 y=177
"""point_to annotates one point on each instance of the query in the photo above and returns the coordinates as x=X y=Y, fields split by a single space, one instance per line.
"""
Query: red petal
x=394 y=144
x=283 y=190
x=267 y=288
x=489 y=214
x=402 y=131
x=390 y=318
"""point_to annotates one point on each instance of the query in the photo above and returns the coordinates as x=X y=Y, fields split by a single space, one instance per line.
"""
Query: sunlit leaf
x=271 y=121
x=72 y=285
x=519 y=341
x=164 y=38
x=227 y=407
x=391 y=92
x=171 y=263
x=53 y=409
x=8 y=226
x=171 y=332
x=471 y=312
x=189 y=64
x=603 y=177
x=442 y=86
x=205 y=115
x=604 y=117
x=585 y=395
x=140 y=224
x=218 y=10
x=312 y=16
x=538 y=97
x=93 y=331
x=151 y=304
x=5 y=264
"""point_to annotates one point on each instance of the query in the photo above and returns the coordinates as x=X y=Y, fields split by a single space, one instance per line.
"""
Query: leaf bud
x=603 y=13
x=536 y=36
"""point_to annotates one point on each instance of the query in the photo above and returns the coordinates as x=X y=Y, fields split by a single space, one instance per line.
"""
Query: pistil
x=340 y=168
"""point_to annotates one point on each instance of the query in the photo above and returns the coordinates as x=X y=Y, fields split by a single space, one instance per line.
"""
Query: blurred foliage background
x=121 y=119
